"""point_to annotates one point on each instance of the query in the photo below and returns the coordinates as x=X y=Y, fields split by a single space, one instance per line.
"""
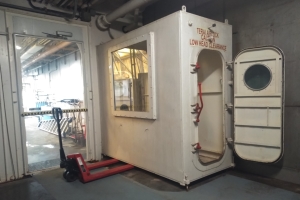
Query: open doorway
x=210 y=127
x=52 y=76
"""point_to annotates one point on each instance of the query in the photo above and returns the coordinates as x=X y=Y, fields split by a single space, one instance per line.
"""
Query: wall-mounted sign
x=207 y=39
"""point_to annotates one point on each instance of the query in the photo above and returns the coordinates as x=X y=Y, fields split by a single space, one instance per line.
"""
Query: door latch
x=228 y=107
x=195 y=68
x=230 y=141
x=196 y=147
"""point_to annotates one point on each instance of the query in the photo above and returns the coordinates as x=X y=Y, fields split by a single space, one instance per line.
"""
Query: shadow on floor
x=27 y=189
x=138 y=184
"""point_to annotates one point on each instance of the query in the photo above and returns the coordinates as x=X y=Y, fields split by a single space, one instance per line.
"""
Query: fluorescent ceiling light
x=32 y=50
x=18 y=47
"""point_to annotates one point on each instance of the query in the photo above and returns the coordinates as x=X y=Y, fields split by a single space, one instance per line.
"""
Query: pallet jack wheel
x=65 y=174
x=70 y=176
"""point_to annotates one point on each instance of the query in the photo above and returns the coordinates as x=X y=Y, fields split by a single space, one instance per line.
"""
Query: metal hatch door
x=258 y=104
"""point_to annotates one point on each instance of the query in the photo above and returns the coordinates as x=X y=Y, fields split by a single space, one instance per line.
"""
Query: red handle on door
x=199 y=108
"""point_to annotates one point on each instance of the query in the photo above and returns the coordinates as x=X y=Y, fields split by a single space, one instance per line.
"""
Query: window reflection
x=130 y=72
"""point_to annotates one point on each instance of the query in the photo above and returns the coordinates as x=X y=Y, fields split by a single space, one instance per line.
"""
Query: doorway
x=210 y=127
x=52 y=76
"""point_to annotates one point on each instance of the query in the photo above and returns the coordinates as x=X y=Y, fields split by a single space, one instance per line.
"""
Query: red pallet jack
x=75 y=166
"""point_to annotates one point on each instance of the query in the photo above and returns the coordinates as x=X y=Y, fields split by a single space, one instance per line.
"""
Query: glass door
x=51 y=76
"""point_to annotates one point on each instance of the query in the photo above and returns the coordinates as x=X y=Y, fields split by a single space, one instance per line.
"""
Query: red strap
x=201 y=101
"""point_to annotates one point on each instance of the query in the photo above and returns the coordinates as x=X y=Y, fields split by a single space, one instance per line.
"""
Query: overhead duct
x=103 y=21
x=47 y=53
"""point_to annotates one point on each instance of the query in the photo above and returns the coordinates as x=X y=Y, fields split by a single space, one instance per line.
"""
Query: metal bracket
x=229 y=65
x=91 y=95
x=196 y=147
x=228 y=107
x=230 y=141
x=59 y=34
x=5 y=33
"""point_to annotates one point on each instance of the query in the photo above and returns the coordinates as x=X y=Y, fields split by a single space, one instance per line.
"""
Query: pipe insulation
x=103 y=21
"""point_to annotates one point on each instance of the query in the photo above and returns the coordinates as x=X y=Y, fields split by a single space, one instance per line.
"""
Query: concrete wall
x=257 y=23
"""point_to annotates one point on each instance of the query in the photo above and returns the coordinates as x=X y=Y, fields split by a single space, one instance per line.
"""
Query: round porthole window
x=257 y=77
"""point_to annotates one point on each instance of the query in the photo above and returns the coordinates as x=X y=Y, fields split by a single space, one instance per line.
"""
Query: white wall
x=97 y=37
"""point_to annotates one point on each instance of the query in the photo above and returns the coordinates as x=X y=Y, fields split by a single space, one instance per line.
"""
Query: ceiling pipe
x=104 y=21
x=133 y=25
x=47 y=53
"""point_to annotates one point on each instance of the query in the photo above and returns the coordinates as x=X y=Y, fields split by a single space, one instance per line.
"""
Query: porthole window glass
x=257 y=77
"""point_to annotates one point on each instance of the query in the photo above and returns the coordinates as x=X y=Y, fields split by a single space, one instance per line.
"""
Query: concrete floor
x=139 y=184
x=43 y=147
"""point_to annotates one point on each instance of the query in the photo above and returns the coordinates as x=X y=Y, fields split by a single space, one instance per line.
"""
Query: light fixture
x=18 y=47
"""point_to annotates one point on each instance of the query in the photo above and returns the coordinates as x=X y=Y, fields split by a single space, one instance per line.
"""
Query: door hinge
x=229 y=140
x=6 y=33
x=228 y=107
x=91 y=95
x=229 y=65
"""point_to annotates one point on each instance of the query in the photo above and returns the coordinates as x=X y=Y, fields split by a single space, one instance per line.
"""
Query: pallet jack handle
x=57 y=115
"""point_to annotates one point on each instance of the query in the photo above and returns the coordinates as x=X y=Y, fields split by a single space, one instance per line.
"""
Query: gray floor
x=139 y=184
x=133 y=184
x=43 y=147
x=27 y=189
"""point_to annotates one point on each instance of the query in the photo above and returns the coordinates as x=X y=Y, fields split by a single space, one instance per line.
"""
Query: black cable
x=224 y=10
x=59 y=3
x=66 y=3
x=75 y=9
x=83 y=2
x=110 y=34
x=19 y=8
x=50 y=12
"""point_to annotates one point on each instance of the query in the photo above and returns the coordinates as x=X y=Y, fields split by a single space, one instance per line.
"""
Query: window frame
x=262 y=88
x=151 y=114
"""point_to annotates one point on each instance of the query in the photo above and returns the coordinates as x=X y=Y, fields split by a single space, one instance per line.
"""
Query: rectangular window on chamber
x=130 y=78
